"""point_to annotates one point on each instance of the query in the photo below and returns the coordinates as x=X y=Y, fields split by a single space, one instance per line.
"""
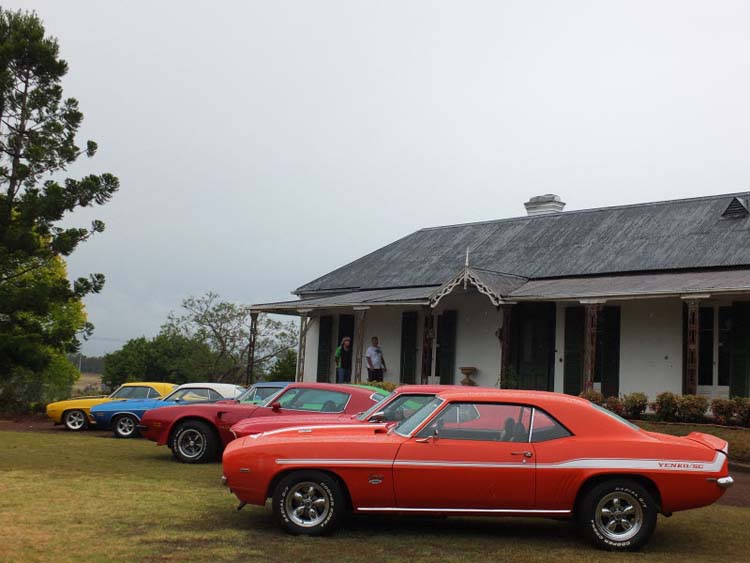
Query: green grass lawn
x=738 y=438
x=88 y=497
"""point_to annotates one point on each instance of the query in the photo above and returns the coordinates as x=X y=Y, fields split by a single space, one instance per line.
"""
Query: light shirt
x=376 y=357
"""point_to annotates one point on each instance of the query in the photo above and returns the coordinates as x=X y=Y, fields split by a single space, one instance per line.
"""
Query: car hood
x=131 y=404
x=78 y=403
x=249 y=426
x=331 y=432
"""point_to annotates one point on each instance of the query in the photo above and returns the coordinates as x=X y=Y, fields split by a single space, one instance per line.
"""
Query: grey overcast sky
x=262 y=144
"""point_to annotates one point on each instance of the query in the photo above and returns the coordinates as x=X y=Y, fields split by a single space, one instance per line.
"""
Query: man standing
x=344 y=361
x=375 y=361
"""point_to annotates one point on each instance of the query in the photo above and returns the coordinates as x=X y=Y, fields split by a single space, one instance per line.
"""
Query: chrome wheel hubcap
x=619 y=516
x=307 y=504
x=191 y=443
x=125 y=426
x=75 y=420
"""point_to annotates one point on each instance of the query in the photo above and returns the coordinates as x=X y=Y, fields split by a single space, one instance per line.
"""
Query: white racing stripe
x=688 y=466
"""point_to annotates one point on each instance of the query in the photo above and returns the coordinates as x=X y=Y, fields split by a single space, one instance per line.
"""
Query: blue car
x=123 y=416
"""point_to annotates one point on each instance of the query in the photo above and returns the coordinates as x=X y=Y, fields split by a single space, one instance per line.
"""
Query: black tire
x=125 y=426
x=618 y=515
x=75 y=420
x=311 y=491
x=195 y=441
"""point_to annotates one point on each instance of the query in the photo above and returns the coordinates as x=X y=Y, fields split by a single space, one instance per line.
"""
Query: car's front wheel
x=308 y=503
x=74 y=420
x=618 y=515
x=125 y=426
x=195 y=442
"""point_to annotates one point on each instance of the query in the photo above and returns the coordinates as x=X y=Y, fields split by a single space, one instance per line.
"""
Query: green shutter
x=324 y=349
x=445 y=365
x=573 y=363
x=409 y=347
x=739 y=383
x=608 y=350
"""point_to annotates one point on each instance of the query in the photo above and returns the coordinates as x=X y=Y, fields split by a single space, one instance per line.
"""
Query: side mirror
x=276 y=406
x=378 y=417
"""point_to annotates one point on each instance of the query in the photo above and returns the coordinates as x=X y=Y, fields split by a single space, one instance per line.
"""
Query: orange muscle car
x=483 y=452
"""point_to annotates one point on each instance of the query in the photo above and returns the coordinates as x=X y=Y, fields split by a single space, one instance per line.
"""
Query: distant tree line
x=87 y=364
x=207 y=340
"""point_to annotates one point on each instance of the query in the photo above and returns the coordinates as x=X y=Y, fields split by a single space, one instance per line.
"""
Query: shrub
x=723 y=410
x=665 y=406
x=615 y=405
x=742 y=410
x=593 y=396
x=635 y=404
x=385 y=385
x=691 y=408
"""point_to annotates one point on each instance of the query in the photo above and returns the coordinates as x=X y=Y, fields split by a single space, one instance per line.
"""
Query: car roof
x=484 y=394
x=148 y=383
x=427 y=388
x=222 y=388
x=342 y=387
x=271 y=383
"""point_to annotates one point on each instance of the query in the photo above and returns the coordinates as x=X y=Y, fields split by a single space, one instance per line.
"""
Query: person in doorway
x=344 y=361
x=375 y=361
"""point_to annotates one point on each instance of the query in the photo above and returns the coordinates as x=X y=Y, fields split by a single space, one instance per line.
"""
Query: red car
x=197 y=433
x=397 y=406
x=484 y=452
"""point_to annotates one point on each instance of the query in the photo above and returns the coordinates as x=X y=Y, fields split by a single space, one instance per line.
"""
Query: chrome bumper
x=723 y=482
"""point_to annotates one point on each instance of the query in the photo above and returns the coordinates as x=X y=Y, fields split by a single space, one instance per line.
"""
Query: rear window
x=618 y=418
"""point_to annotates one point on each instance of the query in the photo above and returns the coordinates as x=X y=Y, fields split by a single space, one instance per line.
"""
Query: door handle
x=524 y=454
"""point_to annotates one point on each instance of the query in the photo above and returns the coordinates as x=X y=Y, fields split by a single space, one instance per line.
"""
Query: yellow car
x=75 y=415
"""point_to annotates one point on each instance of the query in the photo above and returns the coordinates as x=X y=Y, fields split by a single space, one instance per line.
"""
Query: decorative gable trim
x=736 y=208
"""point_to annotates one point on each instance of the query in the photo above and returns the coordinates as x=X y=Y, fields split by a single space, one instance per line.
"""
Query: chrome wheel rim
x=307 y=504
x=619 y=516
x=125 y=426
x=191 y=443
x=75 y=420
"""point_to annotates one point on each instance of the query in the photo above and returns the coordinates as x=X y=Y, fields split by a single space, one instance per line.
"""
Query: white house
x=648 y=297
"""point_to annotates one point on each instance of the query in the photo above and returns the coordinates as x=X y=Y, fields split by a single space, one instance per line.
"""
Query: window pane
x=315 y=400
x=706 y=346
x=195 y=395
x=492 y=422
x=139 y=392
x=546 y=428
x=214 y=396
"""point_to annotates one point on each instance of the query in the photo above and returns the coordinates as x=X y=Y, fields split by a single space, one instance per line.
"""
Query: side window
x=493 y=422
x=214 y=396
x=153 y=394
x=139 y=392
x=316 y=400
x=195 y=395
x=546 y=428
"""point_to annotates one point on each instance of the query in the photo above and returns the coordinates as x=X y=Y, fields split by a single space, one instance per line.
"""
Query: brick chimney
x=544 y=205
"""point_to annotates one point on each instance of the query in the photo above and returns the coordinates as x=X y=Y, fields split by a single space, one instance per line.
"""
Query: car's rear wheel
x=618 y=515
x=309 y=503
x=125 y=426
x=74 y=420
x=195 y=442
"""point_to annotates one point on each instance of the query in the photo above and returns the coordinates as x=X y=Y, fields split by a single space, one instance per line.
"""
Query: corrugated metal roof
x=410 y=296
x=670 y=235
x=680 y=283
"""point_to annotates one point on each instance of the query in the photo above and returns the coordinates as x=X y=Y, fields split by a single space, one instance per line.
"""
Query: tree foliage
x=284 y=368
x=225 y=328
x=38 y=130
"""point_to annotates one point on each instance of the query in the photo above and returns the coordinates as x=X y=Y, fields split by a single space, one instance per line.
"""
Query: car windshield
x=258 y=394
x=406 y=427
x=123 y=392
x=190 y=395
x=617 y=417
x=398 y=409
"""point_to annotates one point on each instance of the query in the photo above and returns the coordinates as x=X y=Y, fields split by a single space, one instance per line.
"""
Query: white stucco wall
x=651 y=346
x=477 y=343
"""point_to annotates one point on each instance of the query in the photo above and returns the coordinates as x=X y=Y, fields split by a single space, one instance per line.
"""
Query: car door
x=469 y=456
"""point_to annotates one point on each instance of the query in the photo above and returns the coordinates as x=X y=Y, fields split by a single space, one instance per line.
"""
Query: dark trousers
x=374 y=374
x=343 y=375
